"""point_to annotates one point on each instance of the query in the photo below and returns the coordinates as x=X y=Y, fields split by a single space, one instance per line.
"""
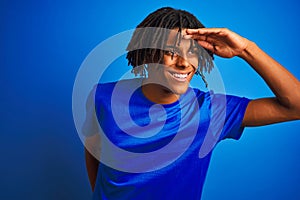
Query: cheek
x=157 y=72
x=194 y=62
x=167 y=60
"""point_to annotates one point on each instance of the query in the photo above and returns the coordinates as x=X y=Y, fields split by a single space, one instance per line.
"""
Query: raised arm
x=285 y=106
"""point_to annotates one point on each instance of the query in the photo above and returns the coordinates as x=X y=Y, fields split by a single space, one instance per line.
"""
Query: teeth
x=180 y=75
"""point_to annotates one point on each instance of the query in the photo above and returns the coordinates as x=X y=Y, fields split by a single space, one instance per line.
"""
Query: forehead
x=175 y=38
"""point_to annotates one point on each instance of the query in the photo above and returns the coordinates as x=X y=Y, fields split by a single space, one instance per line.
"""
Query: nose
x=182 y=62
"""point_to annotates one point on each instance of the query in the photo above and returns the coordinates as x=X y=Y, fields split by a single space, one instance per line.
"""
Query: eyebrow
x=193 y=46
x=171 y=46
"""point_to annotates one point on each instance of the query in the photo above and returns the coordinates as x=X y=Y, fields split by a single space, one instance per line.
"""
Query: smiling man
x=167 y=49
x=171 y=78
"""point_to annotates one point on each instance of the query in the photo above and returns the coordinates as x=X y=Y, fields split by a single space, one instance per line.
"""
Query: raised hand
x=220 y=41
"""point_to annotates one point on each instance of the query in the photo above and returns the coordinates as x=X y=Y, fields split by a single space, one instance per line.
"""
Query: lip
x=177 y=78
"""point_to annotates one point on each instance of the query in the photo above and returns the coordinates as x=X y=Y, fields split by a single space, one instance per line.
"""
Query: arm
x=92 y=168
x=92 y=163
x=285 y=106
x=92 y=141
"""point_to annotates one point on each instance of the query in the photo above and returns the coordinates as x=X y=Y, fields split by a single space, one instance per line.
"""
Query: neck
x=159 y=94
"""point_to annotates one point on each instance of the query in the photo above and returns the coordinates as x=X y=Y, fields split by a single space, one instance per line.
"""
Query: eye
x=193 y=51
x=172 y=52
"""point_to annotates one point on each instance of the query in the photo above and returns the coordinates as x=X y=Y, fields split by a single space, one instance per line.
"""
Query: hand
x=220 y=41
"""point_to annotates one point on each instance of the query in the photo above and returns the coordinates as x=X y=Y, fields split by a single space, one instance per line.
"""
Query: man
x=160 y=110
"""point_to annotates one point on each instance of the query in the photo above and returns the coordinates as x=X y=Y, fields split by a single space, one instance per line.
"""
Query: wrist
x=249 y=51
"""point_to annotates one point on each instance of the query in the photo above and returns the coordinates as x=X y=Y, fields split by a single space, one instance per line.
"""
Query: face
x=180 y=62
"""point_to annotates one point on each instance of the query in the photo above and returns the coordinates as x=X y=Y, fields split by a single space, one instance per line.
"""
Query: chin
x=179 y=90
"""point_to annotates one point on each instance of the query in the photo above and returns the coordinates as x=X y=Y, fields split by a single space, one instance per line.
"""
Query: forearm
x=92 y=157
x=92 y=168
x=284 y=85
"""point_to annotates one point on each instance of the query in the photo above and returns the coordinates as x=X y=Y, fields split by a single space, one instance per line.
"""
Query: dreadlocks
x=147 y=42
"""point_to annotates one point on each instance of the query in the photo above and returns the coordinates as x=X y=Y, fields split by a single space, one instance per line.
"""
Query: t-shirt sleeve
x=235 y=111
x=90 y=125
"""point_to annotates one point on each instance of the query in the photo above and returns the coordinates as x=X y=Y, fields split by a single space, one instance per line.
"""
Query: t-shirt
x=151 y=151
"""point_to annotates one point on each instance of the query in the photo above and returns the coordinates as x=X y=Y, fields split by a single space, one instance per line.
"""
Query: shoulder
x=121 y=85
x=219 y=99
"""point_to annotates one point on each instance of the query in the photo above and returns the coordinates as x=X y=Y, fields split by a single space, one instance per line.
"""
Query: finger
x=207 y=45
x=204 y=31
x=203 y=38
x=196 y=37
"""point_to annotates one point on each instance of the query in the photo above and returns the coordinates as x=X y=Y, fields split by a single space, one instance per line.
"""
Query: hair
x=166 y=18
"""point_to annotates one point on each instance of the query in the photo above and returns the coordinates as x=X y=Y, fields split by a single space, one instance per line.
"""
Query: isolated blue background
x=43 y=44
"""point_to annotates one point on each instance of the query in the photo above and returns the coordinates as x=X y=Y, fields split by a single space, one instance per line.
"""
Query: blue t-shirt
x=151 y=151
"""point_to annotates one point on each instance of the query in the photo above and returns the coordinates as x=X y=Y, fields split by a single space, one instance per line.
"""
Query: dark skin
x=285 y=106
x=92 y=144
x=92 y=165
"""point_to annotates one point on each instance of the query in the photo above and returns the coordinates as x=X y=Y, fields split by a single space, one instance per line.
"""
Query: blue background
x=43 y=44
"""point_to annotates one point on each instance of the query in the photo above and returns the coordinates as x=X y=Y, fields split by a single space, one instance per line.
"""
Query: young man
x=160 y=111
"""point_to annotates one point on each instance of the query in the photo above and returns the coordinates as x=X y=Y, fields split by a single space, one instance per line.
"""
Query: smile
x=180 y=76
